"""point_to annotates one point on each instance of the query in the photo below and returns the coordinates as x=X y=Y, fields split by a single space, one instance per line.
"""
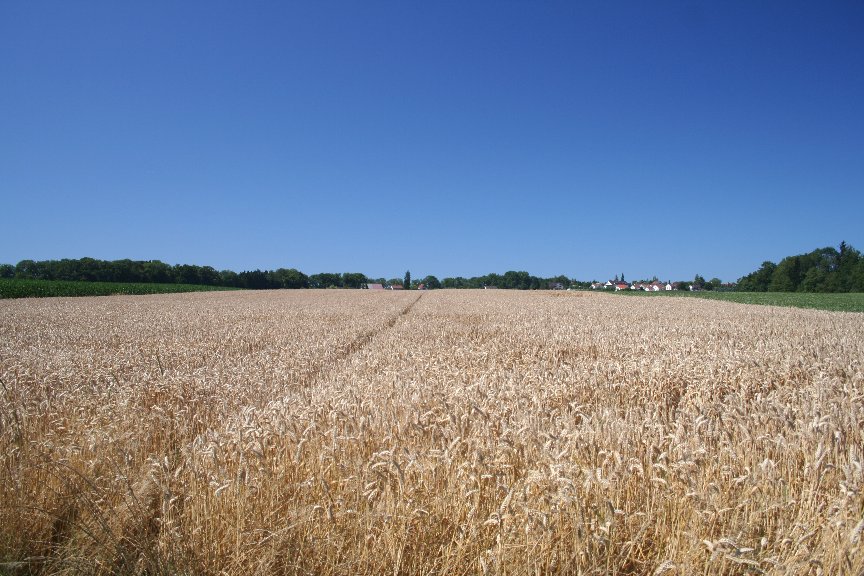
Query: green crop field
x=837 y=302
x=19 y=288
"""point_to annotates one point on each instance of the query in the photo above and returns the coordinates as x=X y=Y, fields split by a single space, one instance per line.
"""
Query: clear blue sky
x=448 y=138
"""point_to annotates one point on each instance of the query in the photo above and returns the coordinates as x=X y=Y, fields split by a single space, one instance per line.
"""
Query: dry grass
x=351 y=432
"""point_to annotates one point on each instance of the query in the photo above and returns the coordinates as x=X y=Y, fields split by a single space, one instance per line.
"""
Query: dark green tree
x=229 y=278
x=787 y=277
x=847 y=262
x=758 y=281
x=515 y=280
x=325 y=280
x=457 y=282
x=856 y=280
x=208 y=276
x=186 y=274
x=431 y=282
x=157 y=271
x=255 y=280
x=353 y=280
x=407 y=280
x=822 y=270
x=289 y=278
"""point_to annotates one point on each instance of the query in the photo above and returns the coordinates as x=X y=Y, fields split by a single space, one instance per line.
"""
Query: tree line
x=155 y=271
x=822 y=270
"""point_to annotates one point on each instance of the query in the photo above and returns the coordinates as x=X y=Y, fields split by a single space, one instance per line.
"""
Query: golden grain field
x=446 y=432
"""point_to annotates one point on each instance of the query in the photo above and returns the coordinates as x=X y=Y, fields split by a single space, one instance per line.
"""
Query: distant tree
x=823 y=270
x=7 y=271
x=813 y=280
x=819 y=270
x=847 y=262
x=27 y=269
x=856 y=280
x=122 y=271
x=457 y=282
x=513 y=280
x=715 y=283
x=431 y=282
x=208 y=276
x=491 y=279
x=255 y=280
x=353 y=280
x=186 y=274
x=93 y=270
x=407 y=280
x=157 y=271
x=563 y=280
x=229 y=278
x=325 y=280
x=290 y=278
x=787 y=276
x=758 y=281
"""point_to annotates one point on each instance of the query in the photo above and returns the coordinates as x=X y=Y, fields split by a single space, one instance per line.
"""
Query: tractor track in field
x=322 y=371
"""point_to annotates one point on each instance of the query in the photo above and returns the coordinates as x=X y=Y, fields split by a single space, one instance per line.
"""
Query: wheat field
x=446 y=432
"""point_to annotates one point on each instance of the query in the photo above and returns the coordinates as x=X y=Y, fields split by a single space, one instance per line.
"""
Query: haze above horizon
x=454 y=139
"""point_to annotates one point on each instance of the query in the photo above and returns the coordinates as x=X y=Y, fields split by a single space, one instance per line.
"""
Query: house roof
x=375 y=286
x=397 y=287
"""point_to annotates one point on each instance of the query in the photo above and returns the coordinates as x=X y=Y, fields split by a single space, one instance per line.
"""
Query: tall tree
x=759 y=280
x=407 y=280
x=787 y=276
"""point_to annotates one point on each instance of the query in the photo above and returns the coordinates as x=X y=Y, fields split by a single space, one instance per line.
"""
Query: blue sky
x=448 y=138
